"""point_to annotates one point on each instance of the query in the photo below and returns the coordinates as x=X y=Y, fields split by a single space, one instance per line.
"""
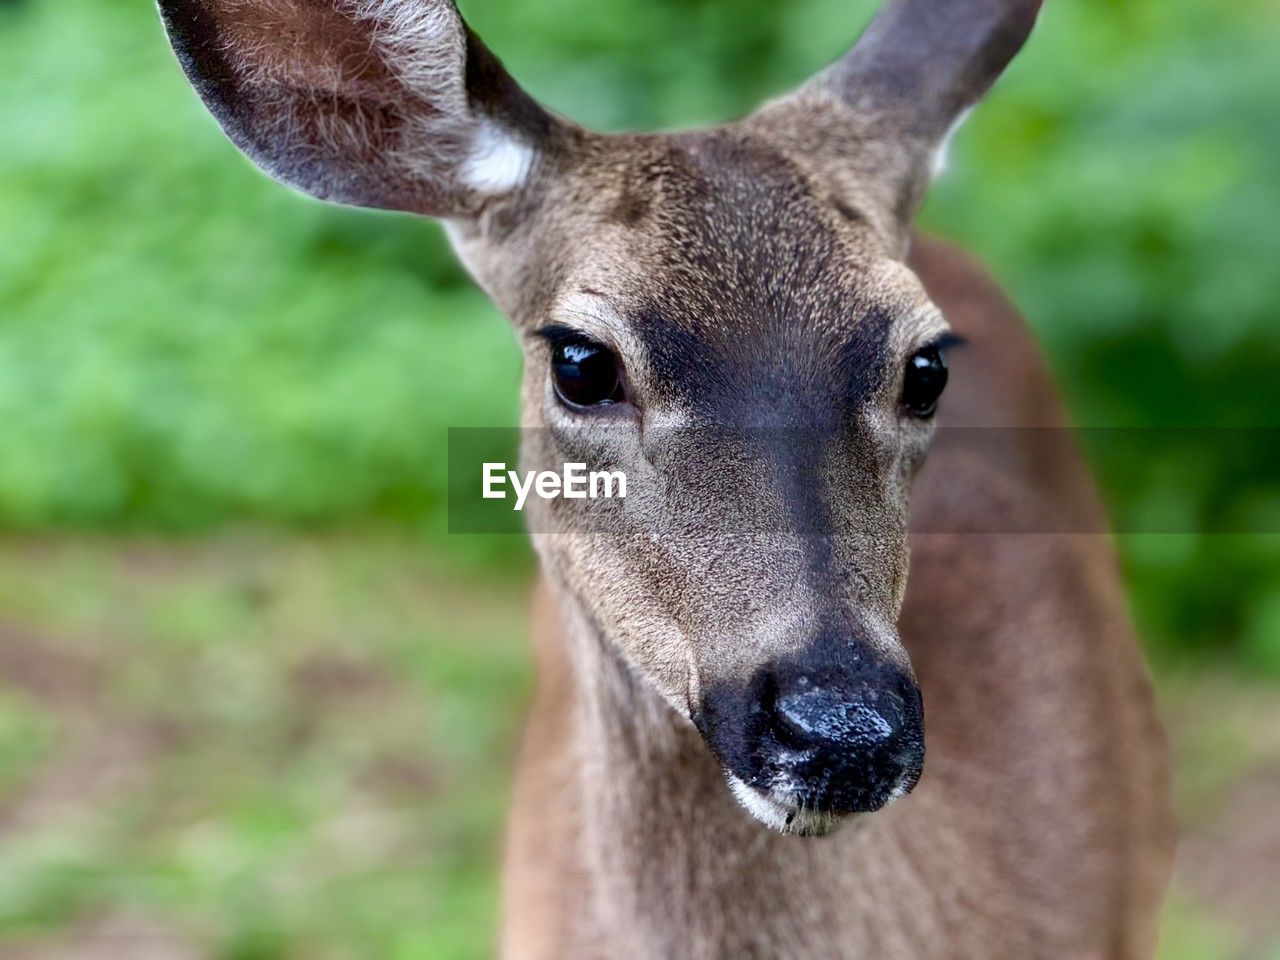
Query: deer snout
x=811 y=740
x=845 y=741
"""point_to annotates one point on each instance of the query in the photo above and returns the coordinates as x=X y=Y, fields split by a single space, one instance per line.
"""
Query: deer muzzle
x=808 y=745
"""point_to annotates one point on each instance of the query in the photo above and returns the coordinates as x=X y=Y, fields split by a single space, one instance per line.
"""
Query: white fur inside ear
x=497 y=161
x=940 y=154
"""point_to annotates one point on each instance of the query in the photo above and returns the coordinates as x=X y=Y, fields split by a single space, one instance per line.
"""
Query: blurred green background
x=256 y=703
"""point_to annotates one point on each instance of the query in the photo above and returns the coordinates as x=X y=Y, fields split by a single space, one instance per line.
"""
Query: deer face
x=742 y=347
x=723 y=315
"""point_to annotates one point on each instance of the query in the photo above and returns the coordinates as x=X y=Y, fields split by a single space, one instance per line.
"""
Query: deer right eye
x=585 y=374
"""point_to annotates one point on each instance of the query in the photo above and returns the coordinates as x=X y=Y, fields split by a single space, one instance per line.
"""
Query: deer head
x=725 y=311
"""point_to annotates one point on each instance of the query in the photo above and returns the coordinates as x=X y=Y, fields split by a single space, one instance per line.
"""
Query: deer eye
x=925 y=377
x=584 y=373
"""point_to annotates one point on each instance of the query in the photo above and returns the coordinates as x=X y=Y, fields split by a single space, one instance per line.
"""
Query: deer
x=725 y=756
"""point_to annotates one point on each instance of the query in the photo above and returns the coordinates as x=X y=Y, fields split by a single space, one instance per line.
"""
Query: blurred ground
x=268 y=746
x=250 y=749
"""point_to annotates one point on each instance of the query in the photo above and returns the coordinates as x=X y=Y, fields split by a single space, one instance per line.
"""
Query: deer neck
x=669 y=856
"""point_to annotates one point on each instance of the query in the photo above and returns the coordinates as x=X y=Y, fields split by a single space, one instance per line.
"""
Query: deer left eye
x=585 y=374
x=925 y=378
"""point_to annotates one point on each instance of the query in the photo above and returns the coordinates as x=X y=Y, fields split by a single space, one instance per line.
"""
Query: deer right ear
x=376 y=103
x=881 y=114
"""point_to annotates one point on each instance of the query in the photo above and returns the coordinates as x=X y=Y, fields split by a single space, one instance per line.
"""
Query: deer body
x=1041 y=828
x=731 y=656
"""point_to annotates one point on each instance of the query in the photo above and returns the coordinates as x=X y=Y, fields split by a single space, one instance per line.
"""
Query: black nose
x=848 y=740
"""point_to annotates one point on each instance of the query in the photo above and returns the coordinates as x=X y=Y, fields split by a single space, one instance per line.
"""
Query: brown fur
x=754 y=282
x=1041 y=827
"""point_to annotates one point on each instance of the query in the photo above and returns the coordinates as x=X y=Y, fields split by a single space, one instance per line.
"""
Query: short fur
x=760 y=284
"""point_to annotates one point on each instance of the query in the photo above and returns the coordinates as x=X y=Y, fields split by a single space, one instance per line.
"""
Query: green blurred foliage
x=184 y=344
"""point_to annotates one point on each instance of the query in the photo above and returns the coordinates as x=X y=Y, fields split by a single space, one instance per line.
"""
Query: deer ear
x=921 y=64
x=890 y=102
x=377 y=103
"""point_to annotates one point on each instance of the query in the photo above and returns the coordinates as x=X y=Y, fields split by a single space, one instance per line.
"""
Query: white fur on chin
x=774 y=810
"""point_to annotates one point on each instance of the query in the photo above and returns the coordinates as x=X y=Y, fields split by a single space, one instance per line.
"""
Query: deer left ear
x=377 y=103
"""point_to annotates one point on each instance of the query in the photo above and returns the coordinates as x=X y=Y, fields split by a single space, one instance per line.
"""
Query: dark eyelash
x=557 y=333
x=946 y=342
